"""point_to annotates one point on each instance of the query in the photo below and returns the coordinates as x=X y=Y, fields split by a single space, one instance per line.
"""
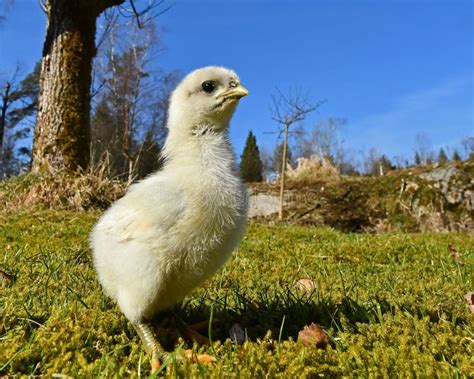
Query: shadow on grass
x=283 y=313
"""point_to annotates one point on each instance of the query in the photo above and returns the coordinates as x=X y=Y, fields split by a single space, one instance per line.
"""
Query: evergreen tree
x=442 y=157
x=277 y=157
x=251 y=164
x=149 y=159
x=456 y=156
x=417 y=159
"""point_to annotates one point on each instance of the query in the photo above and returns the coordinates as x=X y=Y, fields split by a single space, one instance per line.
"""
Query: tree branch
x=42 y=5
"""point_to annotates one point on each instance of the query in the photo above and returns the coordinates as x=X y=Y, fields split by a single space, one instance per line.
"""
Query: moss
x=403 y=222
x=392 y=305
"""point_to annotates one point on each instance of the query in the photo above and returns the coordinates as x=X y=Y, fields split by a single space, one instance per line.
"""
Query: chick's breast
x=158 y=242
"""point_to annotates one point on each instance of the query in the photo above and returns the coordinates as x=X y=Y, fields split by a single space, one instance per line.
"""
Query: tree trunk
x=62 y=134
x=3 y=114
x=282 y=175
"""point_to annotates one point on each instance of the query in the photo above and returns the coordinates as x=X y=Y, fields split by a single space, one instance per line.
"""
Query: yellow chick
x=176 y=228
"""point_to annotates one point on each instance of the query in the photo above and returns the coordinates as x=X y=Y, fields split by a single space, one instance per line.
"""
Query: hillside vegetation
x=433 y=198
x=391 y=304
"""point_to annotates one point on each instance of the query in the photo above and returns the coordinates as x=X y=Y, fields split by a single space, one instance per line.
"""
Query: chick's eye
x=208 y=86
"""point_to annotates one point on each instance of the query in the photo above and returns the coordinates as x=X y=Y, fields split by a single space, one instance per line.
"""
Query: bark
x=3 y=113
x=62 y=134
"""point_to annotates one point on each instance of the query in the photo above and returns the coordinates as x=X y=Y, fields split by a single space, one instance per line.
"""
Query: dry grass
x=313 y=169
x=88 y=189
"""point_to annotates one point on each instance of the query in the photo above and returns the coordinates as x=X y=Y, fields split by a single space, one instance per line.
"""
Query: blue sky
x=393 y=68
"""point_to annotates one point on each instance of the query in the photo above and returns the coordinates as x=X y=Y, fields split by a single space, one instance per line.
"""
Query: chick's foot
x=201 y=358
x=151 y=344
x=191 y=332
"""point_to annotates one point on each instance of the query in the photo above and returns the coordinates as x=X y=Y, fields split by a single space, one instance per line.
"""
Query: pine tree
x=456 y=156
x=250 y=164
x=442 y=157
x=417 y=159
x=149 y=159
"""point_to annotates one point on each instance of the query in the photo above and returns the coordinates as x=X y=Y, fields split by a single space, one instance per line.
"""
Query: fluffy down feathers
x=174 y=229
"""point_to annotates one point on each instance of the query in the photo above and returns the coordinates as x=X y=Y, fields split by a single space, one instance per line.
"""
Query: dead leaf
x=470 y=300
x=313 y=335
x=455 y=254
x=237 y=334
x=305 y=284
x=5 y=278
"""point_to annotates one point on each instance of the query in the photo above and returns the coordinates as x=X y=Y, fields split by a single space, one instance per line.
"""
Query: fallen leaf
x=237 y=334
x=470 y=300
x=5 y=278
x=455 y=254
x=305 y=284
x=313 y=335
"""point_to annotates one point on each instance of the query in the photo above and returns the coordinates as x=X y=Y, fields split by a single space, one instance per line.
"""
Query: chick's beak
x=235 y=92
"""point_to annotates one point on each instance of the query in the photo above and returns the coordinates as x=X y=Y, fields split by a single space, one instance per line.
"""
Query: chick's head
x=207 y=96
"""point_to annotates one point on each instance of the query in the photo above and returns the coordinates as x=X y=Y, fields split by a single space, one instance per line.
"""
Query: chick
x=177 y=227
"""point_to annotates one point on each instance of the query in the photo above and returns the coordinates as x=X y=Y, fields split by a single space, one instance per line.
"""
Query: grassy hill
x=433 y=198
x=392 y=304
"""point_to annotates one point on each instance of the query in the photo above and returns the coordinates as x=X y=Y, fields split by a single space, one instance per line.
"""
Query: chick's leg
x=152 y=346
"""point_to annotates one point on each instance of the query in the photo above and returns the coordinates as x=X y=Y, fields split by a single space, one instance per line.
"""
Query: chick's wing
x=143 y=213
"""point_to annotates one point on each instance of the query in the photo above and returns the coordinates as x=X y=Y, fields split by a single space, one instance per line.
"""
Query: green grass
x=392 y=305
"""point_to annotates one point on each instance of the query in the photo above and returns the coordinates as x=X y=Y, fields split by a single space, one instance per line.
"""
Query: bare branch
x=149 y=11
x=293 y=107
x=137 y=16
x=42 y=5
x=287 y=110
x=110 y=17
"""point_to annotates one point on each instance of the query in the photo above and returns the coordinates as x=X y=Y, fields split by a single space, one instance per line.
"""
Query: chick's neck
x=204 y=146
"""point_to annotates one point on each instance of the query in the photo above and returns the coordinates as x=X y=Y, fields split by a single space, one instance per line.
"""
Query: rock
x=263 y=205
x=440 y=174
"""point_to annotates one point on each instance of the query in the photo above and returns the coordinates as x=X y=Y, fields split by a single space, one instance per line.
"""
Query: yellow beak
x=235 y=92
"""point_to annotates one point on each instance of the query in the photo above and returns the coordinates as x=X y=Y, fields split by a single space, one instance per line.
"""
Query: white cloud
x=444 y=112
